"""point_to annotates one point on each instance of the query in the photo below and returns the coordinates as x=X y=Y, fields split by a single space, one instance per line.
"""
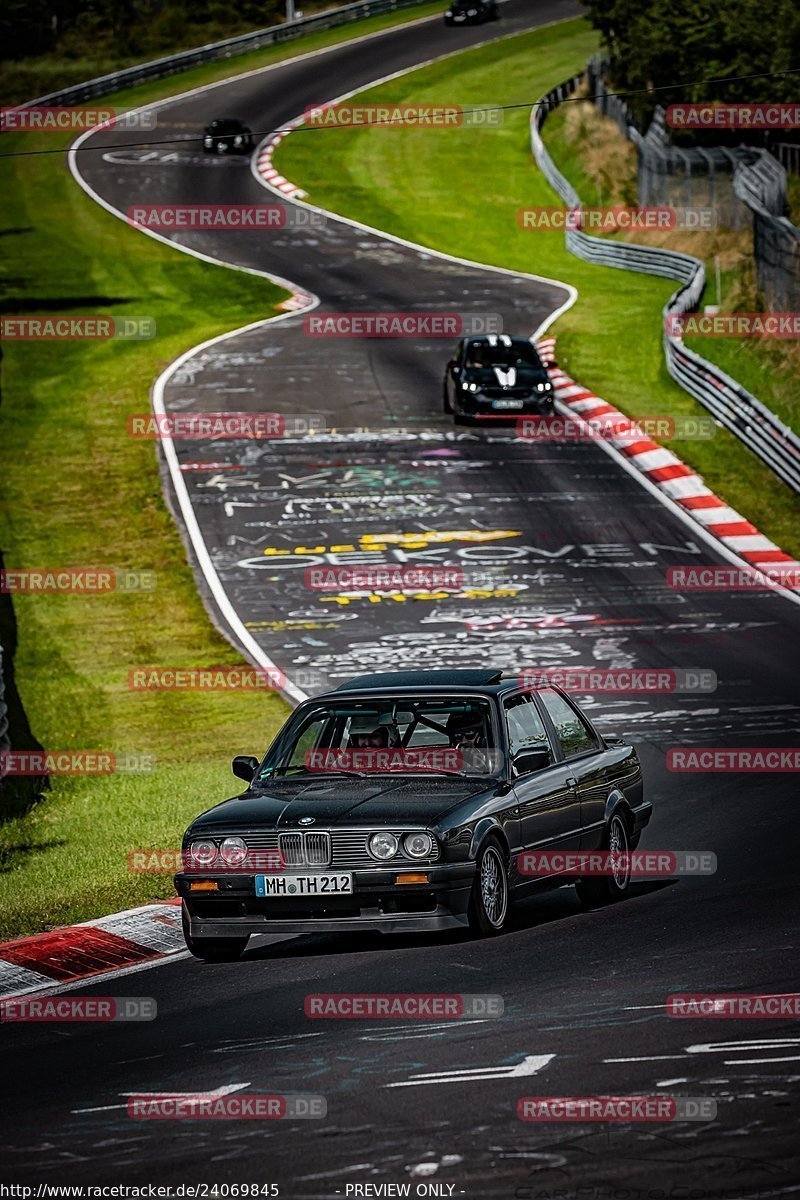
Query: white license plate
x=304 y=885
x=508 y=404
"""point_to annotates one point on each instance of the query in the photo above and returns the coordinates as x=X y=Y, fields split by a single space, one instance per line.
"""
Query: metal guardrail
x=160 y=68
x=731 y=404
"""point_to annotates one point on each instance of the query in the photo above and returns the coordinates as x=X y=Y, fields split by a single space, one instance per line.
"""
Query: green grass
x=77 y=491
x=459 y=190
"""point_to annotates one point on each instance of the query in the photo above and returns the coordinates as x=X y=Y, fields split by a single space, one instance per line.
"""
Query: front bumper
x=468 y=405
x=376 y=904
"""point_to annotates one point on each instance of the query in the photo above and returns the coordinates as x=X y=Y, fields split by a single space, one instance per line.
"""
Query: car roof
x=488 y=680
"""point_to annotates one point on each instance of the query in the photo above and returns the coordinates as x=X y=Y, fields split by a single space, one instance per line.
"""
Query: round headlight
x=203 y=852
x=418 y=845
x=383 y=845
x=233 y=851
x=237 y=141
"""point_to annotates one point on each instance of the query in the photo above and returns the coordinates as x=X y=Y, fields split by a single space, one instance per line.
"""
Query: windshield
x=518 y=354
x=398 y=736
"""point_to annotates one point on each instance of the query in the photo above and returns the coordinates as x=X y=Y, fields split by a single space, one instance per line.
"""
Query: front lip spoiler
x=234 y=927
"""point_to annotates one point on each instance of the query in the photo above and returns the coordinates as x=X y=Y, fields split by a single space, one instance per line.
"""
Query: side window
x=525 y=728
x=573 y=733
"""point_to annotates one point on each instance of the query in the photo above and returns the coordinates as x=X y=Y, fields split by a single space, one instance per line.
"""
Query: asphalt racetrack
x=565 y=556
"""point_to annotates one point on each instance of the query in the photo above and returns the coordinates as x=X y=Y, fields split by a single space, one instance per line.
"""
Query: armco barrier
x=160 y=68
x=731 y=404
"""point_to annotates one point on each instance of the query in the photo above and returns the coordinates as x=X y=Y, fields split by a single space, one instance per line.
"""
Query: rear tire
x=606 y=889
x=213 y=949
x=490 y=900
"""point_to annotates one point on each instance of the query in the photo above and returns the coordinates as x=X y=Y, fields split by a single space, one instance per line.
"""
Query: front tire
x=606 y=889
x=490 y=900
x=213 y=949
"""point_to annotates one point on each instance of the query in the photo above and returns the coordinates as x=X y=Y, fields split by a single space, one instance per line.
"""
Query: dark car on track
x=471 y=12
x=404 y=802
x=227 y=135
x=495 y=377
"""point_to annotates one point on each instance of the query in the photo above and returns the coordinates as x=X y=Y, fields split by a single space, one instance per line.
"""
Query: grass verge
x=78 y=492
x=459 y=190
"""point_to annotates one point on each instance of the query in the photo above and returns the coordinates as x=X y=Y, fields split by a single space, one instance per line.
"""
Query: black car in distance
x=402 y=802
x=471 y=12
x=494 y=377
x=227 y=135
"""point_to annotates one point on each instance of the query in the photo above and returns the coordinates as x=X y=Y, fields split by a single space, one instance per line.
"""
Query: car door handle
x=571 y=781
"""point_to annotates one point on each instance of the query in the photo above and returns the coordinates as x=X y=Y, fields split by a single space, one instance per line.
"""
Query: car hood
x=347 y=802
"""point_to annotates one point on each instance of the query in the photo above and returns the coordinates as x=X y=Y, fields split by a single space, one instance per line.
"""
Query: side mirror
x=454 y=367
x=244 y=766
x=613 y=739
x=526 y=761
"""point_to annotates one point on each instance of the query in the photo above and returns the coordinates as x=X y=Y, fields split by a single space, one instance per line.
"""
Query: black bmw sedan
x=471 y=12
x=227 y=135
x=408 y=802
x=495 y=377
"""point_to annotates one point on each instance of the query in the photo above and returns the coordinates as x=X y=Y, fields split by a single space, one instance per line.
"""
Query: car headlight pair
x=544 y=387
x=204 y=852
x=470 y=387
x=385 y=845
